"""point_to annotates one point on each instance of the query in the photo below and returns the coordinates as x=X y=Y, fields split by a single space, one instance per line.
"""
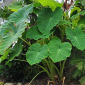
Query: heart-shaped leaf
x=59 y=51
x=76 y=36
x=48 y=19
x=36 y=53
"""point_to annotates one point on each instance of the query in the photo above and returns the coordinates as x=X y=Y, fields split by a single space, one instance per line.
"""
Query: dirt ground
x=40 y=81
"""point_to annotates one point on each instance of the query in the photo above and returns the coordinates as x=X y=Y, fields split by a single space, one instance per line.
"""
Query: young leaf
x=76 y=36
x=8 y=38
x=36 y=53
x=59 y=51
x=48 y=19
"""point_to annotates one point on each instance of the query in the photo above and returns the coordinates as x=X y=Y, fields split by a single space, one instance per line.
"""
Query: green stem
x=23 y=54
x=62 y=69
x=44 y=63
x=35 y=77
x=45 y=71
x=51 y=68
x=20 y=60
x=43 y=41
x=52 y=35
x=25 y=41
x=49 y=38
x=57 y=70
x=60 y=65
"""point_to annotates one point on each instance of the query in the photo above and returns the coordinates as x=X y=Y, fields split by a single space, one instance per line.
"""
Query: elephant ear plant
x=47 y=47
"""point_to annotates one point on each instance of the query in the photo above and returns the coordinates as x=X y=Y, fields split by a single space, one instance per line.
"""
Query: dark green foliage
x=17 y=71
x=28 y=1
x=5 y=12
x=77 y=61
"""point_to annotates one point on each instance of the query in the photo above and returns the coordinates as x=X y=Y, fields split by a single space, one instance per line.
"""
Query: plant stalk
x=25 y=41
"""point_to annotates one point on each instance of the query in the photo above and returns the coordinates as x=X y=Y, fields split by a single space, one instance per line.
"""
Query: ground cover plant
x=47 y=38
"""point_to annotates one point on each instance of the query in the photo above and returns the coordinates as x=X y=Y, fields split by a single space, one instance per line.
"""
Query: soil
x=42 y=80
x=46 y=80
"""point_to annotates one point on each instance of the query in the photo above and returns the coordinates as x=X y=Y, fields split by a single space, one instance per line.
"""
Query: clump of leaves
x=77 y=62
x=5 y=12
x=28 y=1
x=17 y=71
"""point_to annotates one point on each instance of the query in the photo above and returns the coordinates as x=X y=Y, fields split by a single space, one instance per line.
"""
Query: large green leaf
x=36 y=53
x=18 y=17
x=59 y=51
x=8 y=38
x=76 y=36
x=48 y=19
x=15 y=51
x=21 y=15
x=34 y=33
